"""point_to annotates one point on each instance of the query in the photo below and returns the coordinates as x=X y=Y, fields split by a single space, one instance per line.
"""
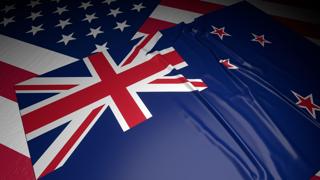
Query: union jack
x=82 y=100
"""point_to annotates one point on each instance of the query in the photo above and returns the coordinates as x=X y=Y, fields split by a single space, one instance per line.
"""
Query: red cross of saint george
x=112 y=83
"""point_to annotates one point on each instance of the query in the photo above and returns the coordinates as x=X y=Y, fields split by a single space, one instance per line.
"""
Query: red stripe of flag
x=179 y=81
x=170 y=81
x=136 y=50
x=192 y=5
x=45 y=87
x=199 y=84
x=15 y=166
x=9 y=76
x=151 y=25
x=315 y=178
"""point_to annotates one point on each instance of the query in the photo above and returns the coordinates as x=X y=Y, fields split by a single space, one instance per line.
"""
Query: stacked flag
x=93 y=90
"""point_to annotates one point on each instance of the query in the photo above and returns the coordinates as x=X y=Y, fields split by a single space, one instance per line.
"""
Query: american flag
x=40 y=36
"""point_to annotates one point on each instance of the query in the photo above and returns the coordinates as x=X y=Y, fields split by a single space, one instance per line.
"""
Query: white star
x=66 y=38
x=34 y=16
x=90 y=17
x=108 y=1
x=8 y=8
x=35 y=29
x=95 y=32
x=101 y=48
x=85 y=5
x=61 y=10
x=138 y=7
x=121 y=26
x=33 y=3
x=6 y=21
x=114 y=12
x=63 y=23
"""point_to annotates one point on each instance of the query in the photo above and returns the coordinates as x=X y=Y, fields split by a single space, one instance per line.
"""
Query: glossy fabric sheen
x=245 y=125
x=275 y=139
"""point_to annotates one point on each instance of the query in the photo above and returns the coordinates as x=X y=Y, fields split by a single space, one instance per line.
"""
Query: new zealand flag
x=262 y=89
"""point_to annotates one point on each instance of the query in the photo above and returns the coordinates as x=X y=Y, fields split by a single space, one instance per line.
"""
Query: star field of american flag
x=76 y=28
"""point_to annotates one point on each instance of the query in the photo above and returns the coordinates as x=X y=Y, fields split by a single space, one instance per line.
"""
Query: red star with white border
x=219 y=32
x=307 y=103
x=227 y=64
x=260 y=39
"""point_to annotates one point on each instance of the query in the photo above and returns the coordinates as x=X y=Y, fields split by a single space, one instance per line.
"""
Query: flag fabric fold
x=261 y=80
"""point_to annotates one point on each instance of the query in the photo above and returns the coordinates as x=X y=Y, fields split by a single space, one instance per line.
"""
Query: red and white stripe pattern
x=19 y=61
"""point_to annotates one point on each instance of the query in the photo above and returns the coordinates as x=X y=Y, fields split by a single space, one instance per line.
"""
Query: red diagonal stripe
x=199 y=84
x=66 y=148
x=136 y=50
x=150 y=27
